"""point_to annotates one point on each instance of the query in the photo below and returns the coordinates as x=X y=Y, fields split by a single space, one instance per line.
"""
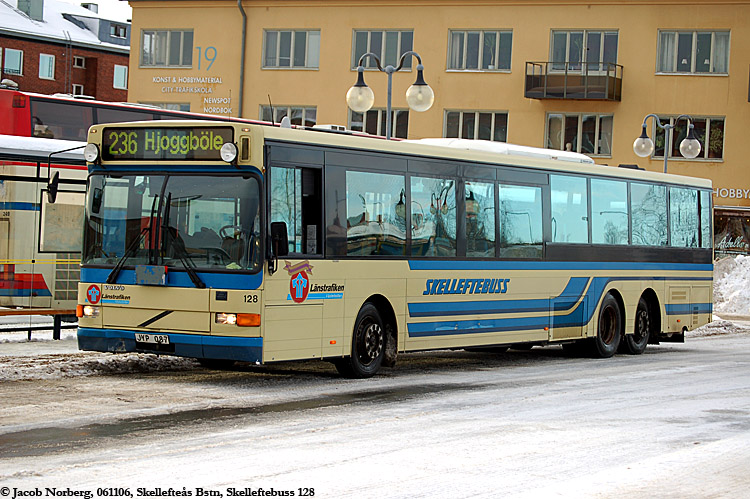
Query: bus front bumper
x=181 y=345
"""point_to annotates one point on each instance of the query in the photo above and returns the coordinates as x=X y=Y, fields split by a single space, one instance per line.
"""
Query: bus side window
x=296 y=200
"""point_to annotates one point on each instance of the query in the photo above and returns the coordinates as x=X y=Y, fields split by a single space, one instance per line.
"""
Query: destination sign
x=162 y=143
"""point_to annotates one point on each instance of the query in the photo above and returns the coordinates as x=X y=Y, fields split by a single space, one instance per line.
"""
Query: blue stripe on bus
x=539 y=265
x=689 y=308
x=578 y=317
x=567 y=299
x=185 y=345
x=37 y=292
x=180 y=279
x=18 y=205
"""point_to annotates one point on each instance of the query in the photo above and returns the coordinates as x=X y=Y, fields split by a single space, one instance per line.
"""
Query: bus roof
x=450 y=149
x=36 y=148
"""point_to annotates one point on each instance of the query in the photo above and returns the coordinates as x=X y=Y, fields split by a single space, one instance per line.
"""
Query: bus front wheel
x=368 y=345
x=607 y=339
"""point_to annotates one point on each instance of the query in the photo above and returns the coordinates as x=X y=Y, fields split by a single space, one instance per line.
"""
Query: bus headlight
x=222 y=318
x=246 y=320
x=91 y=153
x=228 y=152
x=87 y=311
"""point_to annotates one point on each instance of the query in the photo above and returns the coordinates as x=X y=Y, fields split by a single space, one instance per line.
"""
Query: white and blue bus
x=228 y=242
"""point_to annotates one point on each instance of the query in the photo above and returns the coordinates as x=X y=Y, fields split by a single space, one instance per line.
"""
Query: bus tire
x=607 y=339
x=368 y=345
x=635 y=344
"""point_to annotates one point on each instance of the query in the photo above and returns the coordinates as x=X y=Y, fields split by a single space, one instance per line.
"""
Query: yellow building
x=545 y=73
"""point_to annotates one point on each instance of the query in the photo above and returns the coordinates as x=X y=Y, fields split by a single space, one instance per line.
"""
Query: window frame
x=369 y=63
x=76 y=86
x=9 y=70
x=476 y=123
x=584 y=59
x=114 y=82
x=115 y=28
x=693 y=52
x=381 y=121
x=289 y=111
x=579 y=132
x=170 y=33
x=49 y=56
x=670 y=145
x=76 y=64
x=293 y=33
x=480 y=56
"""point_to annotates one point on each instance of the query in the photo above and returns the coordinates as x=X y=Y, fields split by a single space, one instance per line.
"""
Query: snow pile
x=55 y=366
x=716 y=327
x=732 y=285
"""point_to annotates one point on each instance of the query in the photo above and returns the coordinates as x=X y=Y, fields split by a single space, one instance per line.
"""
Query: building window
x=708 y=131
x=79 y=62
x=171 y=106
x=693 y=52
x=584 y=133
x=374 y=122
x=291 y=49
x=480 y=50
x=46 y=66
x=13 y=62
x=476 y=125
x=304 y=116
x=121 y=77
x=77 y=89
x=118 y=31
x=172 y=48
x=583 y=50
x=387 y=45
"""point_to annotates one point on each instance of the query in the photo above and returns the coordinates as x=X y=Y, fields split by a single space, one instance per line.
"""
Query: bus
x=65 y=117
x=227 y=242
x=40 y=241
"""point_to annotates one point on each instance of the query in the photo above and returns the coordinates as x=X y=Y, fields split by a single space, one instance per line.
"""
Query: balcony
x=574 y=80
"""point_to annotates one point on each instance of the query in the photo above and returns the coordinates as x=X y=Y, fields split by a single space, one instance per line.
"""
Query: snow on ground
x=44 y=358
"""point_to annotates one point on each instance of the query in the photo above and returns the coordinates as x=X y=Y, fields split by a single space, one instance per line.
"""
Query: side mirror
x=96 y=201
x=52 y=188
x=279 y=239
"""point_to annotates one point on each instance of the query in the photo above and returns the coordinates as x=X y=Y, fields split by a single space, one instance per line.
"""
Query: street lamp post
x=690 y=147
x=419 y=96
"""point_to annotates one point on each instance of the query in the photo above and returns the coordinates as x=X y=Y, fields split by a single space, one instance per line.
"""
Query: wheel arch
x=620 y=303
x=388 y=316
x=654 y=312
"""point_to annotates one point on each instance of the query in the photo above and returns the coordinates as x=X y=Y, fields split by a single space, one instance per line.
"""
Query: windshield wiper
x=112 y=277
x=169 y=234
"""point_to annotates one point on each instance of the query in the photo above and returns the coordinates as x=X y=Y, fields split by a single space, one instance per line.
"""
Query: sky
x=115 y=10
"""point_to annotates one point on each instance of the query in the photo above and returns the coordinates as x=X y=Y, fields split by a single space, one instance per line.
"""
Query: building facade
x=562 y=74
x=49 y=46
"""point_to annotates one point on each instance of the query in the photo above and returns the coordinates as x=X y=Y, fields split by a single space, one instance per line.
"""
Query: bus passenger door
x=295 y=310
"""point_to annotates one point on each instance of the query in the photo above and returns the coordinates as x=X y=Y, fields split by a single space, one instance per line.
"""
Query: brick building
x=49 y=46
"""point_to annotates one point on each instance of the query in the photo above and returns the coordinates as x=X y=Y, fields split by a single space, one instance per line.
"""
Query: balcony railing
x=574 y=80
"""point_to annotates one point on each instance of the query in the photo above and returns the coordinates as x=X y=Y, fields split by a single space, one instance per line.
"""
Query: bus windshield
x=205 y=222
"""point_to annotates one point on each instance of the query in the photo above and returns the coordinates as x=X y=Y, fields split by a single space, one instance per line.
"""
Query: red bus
x=65 y=117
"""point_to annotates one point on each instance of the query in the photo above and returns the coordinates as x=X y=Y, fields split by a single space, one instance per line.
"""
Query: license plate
x=159 y=339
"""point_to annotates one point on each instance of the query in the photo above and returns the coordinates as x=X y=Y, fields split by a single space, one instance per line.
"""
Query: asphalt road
x=674 y=422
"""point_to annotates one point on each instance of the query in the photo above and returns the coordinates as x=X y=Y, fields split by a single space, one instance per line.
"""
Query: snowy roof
x=505 y=148
x=55 y=27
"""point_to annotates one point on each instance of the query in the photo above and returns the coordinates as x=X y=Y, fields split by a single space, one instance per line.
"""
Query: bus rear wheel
x=607 y=339
x=635 y=344
x=368 y=345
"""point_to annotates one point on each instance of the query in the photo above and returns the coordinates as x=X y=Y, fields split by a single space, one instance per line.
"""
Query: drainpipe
x=242 y=60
